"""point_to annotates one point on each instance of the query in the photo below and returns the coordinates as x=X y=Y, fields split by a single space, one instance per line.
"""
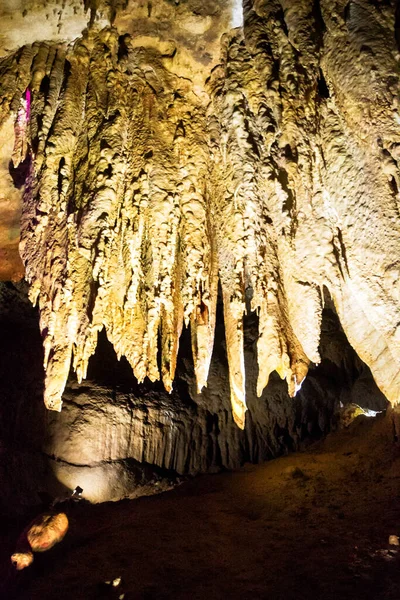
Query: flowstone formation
x=166 y=153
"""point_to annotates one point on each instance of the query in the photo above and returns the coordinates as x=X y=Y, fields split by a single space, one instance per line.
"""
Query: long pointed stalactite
x=276 y=178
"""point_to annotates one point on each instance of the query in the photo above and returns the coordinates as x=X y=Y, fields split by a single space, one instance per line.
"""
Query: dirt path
x=308 y=526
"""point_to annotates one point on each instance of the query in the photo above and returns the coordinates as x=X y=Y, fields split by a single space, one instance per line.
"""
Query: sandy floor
x=307 y=526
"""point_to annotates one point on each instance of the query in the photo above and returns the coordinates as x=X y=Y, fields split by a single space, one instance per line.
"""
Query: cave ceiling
x=163 y=150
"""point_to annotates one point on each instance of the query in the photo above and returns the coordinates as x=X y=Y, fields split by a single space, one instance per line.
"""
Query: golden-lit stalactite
x=331 y=73
x=11 y=267
x=360 y=129
x=170 y=154
x=251 y=255
x=116 y=229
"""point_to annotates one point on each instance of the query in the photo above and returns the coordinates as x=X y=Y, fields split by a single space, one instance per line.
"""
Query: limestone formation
x=167 y=154
x=43 y=533
x=116 y=438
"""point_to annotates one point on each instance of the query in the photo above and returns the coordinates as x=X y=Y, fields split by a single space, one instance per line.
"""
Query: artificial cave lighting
x=162 y=165
x=96 y=481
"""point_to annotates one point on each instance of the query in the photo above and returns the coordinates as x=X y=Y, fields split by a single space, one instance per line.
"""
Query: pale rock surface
x=350 y=412
x=394 y=540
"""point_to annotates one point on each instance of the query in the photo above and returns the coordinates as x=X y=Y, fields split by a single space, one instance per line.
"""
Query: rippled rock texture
x=163 y=154
x=201 y=201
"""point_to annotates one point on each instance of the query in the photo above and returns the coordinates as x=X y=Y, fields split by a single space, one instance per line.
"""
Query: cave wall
x=206 y=185
x=117 y=438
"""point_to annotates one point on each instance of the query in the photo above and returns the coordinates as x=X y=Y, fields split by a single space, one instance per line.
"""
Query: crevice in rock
x=280 y=17
x=346 y=11
x=320 y=27
x=20 y=173
x=323 y=89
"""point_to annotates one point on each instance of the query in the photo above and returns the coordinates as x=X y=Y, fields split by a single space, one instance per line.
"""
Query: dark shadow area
x=20 y=173
x=111 y=427
x=24 y=471
x=323 y=89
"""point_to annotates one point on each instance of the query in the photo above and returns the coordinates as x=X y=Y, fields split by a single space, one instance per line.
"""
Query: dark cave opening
x=195 y=432
x=20 y=173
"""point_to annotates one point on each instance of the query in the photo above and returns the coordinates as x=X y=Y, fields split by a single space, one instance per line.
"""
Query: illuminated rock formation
x=43 y=533
x=116 y=438
x=168 y=153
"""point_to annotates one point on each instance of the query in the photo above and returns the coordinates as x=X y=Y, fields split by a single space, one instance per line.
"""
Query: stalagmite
x=169 y=153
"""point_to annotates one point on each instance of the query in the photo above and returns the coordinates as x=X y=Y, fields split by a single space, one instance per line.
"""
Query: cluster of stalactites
x=115 y=228
x=140 y=198
x=134 y=208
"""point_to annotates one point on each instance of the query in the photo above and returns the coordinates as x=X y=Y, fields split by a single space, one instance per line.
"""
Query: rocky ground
x=314 y=524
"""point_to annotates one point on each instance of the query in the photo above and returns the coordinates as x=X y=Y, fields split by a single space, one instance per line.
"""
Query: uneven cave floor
x=313 y=524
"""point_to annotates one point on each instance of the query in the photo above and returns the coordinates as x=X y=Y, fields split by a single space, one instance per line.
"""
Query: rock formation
x=117 y=438
x=43 y=533
x=165 y=153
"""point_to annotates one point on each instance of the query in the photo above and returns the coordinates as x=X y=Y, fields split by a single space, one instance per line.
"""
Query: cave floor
x=309 y=525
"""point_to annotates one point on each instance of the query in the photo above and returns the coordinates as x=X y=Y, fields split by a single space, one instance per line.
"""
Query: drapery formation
x=279 y=179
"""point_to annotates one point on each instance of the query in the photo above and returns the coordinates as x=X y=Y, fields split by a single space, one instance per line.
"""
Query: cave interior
x=199 y=299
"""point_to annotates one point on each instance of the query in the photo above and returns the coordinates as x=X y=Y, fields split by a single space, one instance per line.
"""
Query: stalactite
x=148 y=188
